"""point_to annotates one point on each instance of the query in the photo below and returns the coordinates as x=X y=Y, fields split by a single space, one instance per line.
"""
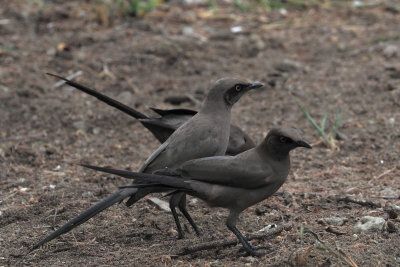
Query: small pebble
x=369 y=224
x=390 y=51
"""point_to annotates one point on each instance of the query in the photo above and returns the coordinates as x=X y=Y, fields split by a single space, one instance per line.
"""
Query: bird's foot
x=181 y=235
x=200 y=233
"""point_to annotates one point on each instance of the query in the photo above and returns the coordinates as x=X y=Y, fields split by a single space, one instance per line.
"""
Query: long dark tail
x=112 y=102
x=86 y=215
x=145 y=178
x=160 y=130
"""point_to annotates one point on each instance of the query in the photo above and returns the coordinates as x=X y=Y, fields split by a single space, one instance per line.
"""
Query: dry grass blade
x=324 y=247
x=328 y=139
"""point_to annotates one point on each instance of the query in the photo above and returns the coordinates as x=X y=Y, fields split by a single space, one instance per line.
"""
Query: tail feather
x=139 y=177
x=177 y=111
x=160 y=130
x=86 y=215
x=112 y=102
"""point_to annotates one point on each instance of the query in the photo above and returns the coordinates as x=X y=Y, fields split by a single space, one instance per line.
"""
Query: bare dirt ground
x=345 y=58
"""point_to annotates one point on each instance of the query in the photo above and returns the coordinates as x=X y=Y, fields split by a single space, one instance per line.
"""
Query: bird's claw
x=200 y=233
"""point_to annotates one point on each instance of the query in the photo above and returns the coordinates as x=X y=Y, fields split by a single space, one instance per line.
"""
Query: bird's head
x=280 y=140
x=230 y=90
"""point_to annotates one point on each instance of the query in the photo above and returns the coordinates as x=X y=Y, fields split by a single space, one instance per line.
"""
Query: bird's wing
x=154 y=155
x=229 y=171
x=184 y=144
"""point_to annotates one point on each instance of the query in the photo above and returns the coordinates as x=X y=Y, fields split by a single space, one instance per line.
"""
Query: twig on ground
x=365 y=203
x=387 y=197
x=232 y=241
x=385 y=173
x=333 y=230
x=338 y=252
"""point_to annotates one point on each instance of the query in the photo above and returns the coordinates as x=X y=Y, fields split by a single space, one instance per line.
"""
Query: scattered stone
x=51 y=52
x=236 y=29
x=340 y=136
x=261 y=210
x=390 y=86
x=50 y=151
x=193 y=201
x=87 y=194
x=334 y=230
x=391 y=227
x=215 y=263
x=172 y=232
x=125 y=97
x=79 y=125
x=288 y=65
x=165 y=48
x=336 y=221
x=395 y=74
x=369 y=224
x=388 y=192
x=23 y=189
x=393 y=211
x=257 y=41
x=250 y=46
x=158 y=203
x=391 y=51
x=96 y=131
x=268 y=227
x=287 y=196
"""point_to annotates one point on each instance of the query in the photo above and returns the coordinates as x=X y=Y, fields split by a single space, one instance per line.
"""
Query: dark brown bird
x=231 y=182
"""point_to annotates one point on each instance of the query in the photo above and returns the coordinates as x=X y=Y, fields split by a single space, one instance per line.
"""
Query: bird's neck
x=215 y=105
x=273 y=152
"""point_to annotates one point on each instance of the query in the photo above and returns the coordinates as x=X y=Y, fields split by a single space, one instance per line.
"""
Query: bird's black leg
x=173 y=203
x=182 y=208
x=231 y=224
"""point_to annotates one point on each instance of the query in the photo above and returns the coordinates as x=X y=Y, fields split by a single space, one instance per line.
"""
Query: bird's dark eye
x=283 y=139
x=238 y=87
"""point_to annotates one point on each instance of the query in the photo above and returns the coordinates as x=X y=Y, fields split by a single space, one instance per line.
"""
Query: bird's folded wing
x=153 y=156
x=229 y=171
x=157 y=123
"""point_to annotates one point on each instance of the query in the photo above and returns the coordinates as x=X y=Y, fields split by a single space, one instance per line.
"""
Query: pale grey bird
x=169 y=120
x=232 y=182
x=205 y=134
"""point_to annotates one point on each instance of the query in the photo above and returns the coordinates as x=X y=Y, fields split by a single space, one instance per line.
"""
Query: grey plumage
x=168 y=121
x=232 y=182
x=205 y=134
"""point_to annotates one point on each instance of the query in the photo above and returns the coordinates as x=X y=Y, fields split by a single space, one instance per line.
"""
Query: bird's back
x=202 y=136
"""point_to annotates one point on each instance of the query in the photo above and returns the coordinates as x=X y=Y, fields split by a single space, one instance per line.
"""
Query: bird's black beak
x=254 y=85
x=303 y=144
